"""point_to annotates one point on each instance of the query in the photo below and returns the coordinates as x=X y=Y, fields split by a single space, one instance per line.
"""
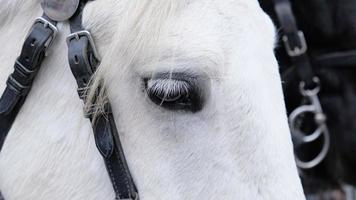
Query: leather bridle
x=309 y=87
x=83 y=60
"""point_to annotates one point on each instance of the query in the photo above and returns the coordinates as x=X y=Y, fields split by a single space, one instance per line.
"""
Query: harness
x=83 y=60
x=323 y=143
x=309 y=87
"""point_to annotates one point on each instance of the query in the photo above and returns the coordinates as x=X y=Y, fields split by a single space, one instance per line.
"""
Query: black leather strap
x=294 y=41
x=83 y=63
x=83 y=60
x=26 y=67
x=108 y=143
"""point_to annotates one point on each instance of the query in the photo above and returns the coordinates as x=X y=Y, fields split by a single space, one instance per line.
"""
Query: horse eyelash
x=167 y=87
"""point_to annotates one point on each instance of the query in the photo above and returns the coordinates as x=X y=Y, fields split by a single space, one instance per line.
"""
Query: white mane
x=237 y=147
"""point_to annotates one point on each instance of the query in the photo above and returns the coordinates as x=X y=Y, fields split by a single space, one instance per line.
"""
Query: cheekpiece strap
x=19 y=83
x=83 y=60
x=294 y=42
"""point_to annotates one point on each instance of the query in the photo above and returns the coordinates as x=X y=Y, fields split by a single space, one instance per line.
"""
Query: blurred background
x=317 y=56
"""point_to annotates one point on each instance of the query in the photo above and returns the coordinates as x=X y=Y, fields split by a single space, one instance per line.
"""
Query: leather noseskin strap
x=26 y=67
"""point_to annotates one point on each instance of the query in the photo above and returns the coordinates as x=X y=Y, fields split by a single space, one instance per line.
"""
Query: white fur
x=237 y=147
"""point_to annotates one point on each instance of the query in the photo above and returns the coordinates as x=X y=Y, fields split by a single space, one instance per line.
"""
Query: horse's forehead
x=190 y=11
x=197 y=32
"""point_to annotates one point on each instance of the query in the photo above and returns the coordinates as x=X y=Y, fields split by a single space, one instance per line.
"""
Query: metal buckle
x=296 y=51
x=87 y=34
x=315 y=108
x=49 y=25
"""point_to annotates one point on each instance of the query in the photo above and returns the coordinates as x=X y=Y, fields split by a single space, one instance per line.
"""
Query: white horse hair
x=237 y=147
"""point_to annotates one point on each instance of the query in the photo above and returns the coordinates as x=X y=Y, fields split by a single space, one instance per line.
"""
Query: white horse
x=235 y=146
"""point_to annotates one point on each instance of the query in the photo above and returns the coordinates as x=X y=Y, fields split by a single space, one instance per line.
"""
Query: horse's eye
x=174 y=94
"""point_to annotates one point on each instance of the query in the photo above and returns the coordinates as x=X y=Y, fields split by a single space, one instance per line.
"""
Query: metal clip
x=319 y=119
x=296 y=51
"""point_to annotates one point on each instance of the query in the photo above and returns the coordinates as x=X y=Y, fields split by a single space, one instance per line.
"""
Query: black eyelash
x=168 y=90
x=175 y=92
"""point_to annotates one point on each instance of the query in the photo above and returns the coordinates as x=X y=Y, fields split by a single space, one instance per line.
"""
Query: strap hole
x=76 y=60
x=33 y=42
